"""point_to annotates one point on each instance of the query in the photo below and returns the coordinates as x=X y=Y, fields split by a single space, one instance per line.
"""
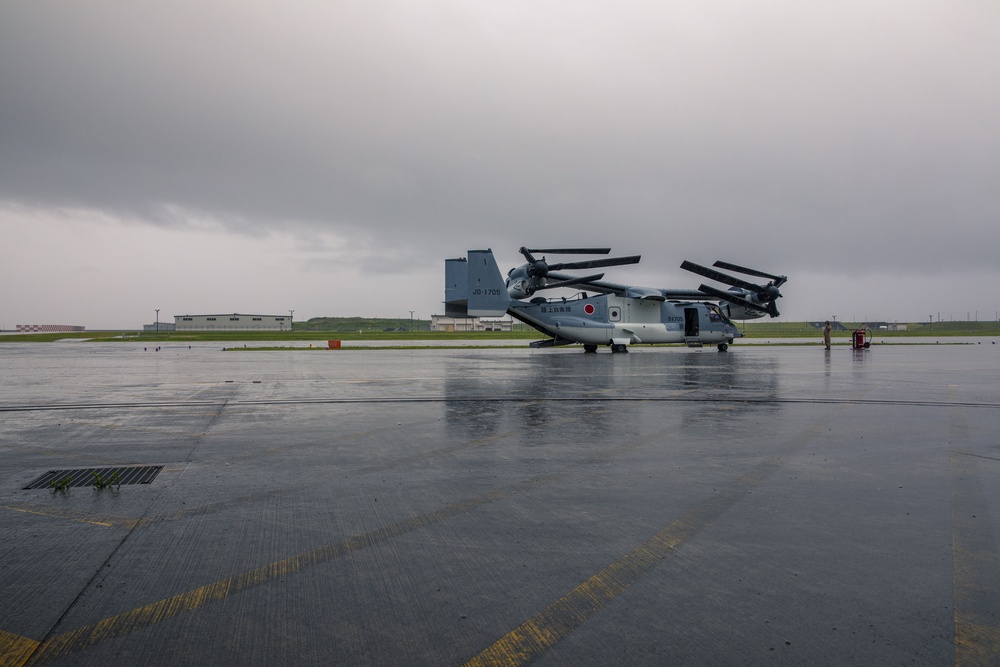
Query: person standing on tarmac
x=826 y=334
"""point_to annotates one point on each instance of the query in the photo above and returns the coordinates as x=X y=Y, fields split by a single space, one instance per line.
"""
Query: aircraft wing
x=655 y=293
x=600 y=286
x=686 y=295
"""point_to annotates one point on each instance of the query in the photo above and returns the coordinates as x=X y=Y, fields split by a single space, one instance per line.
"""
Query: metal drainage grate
x=85 y=476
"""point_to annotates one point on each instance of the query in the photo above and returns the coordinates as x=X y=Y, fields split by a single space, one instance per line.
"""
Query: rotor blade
x=768 y=308
x=573 y=281
x=572 y=251
x=778 y=280
x=596 y=263
x=720 y=276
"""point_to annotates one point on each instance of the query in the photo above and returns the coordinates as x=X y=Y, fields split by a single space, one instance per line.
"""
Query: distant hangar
x=232 y=322
x=48 y=328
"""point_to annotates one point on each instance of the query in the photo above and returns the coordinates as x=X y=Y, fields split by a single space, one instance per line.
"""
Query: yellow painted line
x=541 y=632
x=558 y=620
x=975 y=644
x=975 y=561
x=57 y=515
x=641 y=560
x=975 y=564
x=167 y=608
x=15 y=649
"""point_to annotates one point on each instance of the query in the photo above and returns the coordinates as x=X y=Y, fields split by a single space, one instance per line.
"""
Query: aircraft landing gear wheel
x=723 y=347
x=619 y=347
x=590 y=348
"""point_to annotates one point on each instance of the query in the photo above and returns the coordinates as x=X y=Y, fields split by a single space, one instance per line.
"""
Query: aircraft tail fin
x=456 y=287
x=474 y=287
x=487 y=293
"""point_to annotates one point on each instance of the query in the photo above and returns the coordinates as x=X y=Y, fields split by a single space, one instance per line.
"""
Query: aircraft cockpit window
x=717 y=312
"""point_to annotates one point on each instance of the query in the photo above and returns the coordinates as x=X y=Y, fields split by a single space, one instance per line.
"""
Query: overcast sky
x=212 y=157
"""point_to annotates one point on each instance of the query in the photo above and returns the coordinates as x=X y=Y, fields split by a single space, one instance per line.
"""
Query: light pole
x=157 y=320
x=411 y=320
x=291 y=316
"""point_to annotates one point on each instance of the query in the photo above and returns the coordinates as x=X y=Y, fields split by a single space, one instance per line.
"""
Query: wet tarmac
x=778 y=505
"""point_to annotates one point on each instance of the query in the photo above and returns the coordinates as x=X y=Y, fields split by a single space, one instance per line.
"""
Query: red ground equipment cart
x=861 y=339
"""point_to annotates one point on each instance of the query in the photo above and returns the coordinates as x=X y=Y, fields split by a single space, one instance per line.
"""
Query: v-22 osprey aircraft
x=617 y=315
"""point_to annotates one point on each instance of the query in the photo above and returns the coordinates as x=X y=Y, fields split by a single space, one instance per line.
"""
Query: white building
x=445 y=323
x=232 y=322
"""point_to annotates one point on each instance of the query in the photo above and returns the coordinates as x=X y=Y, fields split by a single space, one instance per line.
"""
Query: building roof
x=231 y=315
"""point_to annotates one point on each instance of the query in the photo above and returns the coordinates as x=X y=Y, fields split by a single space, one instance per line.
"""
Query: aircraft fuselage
x=607 y=319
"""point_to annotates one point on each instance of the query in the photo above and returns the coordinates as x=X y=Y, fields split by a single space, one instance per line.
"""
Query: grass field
x=758 y=329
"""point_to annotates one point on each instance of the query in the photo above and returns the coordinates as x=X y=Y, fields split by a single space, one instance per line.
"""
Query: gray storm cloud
x=827 y=137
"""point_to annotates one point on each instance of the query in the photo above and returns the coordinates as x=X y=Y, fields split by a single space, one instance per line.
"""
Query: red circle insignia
x=589 y=309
